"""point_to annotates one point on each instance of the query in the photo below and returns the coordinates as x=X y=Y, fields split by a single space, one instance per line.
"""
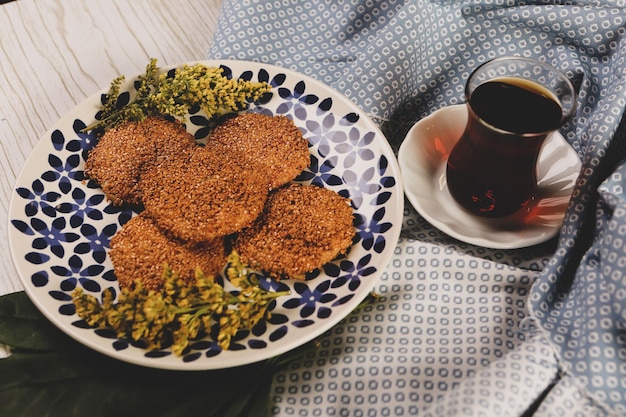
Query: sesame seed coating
x=207 y=195
x=195 y=197
x=122 y=154
x=140 y=249
x=302 y=228
x=273 y=142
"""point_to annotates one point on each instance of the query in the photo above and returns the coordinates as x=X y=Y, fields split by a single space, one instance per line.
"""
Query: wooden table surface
x=56 y=53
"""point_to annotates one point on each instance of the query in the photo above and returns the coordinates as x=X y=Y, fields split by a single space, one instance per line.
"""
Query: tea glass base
x=422 y=158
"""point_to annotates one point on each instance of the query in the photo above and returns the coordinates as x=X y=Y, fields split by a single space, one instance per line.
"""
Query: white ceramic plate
x=60 y=225
x=423 y=156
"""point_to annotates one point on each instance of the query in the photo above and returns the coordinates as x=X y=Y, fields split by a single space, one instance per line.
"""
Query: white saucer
x=422 y=158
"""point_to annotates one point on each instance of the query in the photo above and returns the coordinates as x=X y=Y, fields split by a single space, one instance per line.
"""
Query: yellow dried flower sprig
x=179 y=312
x=166 y=95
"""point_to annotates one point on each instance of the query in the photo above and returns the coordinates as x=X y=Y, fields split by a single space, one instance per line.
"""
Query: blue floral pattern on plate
x=61 y=224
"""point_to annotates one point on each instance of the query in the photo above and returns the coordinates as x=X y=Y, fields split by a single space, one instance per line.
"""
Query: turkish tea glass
x=513 y=105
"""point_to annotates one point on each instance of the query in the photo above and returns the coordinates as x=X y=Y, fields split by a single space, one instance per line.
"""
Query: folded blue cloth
x=402 y=60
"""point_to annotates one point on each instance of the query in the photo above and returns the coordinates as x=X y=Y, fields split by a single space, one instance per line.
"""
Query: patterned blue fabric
x=463 y=330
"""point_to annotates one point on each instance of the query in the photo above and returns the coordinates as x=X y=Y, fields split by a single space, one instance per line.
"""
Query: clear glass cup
x=513 y=105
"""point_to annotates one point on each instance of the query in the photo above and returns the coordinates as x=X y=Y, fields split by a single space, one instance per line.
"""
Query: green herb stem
x=181 y=311
x=174 y=95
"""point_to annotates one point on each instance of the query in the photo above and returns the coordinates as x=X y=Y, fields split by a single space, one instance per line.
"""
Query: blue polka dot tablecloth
x=461 y=330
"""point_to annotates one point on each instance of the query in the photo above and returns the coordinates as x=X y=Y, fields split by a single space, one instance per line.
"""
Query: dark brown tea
x=516 y=105
x=491 y=171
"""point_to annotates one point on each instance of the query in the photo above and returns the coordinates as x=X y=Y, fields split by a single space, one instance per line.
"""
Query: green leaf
x=66 y=379
x=63 y=385
x=23 y=326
